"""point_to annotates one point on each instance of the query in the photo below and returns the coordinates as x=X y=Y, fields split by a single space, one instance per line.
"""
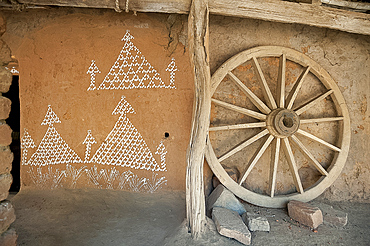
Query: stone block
x=222 y=197
x=5 y=53
x=333 y=217
x=230 y=224
x=6 y=79
x=9 y=238
x=5 y=107
x=305 y=213
x=6 y=159
x=256 y=222
x=215 y=182
x=7 y=215
x=5 y=135
x=2 y=24
x=5 y=182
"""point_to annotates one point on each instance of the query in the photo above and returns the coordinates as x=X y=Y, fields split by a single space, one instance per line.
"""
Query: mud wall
x=55 y=49
x=106 y=99
x=344 y=56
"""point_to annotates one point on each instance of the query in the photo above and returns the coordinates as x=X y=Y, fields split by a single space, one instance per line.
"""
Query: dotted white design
x=52 y=148
x=161 y=150
x=50 y=117
x=93 y=70
x=26 y=143
x=89 y=140
x=131 y=70
x=13 y=70
x=124 y=146
x=172 y=68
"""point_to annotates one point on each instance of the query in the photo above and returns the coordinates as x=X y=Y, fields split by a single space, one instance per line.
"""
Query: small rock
x=256 y=222
x=9 y=238
x=7 y=215
x=5 y=79
x=229 y=224
x=305 y=213
x=222 y=197
x=6 y=180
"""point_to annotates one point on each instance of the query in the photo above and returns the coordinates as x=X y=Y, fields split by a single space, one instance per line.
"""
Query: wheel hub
x=282 y=122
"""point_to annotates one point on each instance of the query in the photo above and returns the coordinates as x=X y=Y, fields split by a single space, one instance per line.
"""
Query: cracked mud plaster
x=176 y=32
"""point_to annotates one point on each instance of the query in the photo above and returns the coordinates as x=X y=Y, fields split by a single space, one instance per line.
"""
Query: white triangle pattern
x=124 y=146
x=50 y=117
x=53 y=150
x=131 y=70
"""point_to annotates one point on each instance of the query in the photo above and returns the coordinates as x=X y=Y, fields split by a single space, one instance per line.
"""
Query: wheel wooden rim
x=280 y=141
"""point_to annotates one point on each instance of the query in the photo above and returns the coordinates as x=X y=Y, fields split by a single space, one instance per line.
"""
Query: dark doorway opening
x=14 y=122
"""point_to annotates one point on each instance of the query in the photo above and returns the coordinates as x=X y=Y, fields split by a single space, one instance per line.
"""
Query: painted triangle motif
x=124 y=146
x=129 y=70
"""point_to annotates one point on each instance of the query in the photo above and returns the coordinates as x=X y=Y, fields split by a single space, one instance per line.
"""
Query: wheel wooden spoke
x=281 y=82
x=275 y=151
x=319 y=140
x=280 y=127
x=309 y=156
x=257 y=156
x=318 y=120
x=297 y=86
x=312 y=102
x=254 y=99
x=241 y=110
x=265 y=89
x=243 y=145
x=238 y=126
x=292 y=165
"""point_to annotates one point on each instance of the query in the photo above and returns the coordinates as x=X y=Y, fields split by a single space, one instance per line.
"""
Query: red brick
x=5 y=107
x=7 y=215
x=6 y=78
x=5 y=182
x=9 y=238
x=6 y=159
x=5 y=135
x=5 y=53
x=305 y=213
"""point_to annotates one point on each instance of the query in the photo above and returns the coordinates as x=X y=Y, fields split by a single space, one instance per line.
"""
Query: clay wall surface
x=83 y=123
x=344 y=56
x=55 y=49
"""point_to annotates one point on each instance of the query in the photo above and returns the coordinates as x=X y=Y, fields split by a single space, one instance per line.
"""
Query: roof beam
x=269 y=10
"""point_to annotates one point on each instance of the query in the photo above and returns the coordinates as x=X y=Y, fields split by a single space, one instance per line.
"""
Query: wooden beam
x=198 y=34
x=289 y=12
x=269 y=10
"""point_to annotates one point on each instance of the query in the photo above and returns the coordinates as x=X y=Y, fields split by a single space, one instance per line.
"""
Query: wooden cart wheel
x=277 y=100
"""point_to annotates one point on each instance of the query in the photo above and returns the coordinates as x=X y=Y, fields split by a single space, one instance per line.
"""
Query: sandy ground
x=106 y=217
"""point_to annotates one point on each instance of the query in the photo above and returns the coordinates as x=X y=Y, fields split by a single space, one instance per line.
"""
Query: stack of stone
x=231 y=218
x=7 y=216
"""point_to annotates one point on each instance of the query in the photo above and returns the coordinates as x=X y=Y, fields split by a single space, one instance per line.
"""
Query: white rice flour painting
x=131 y=70
x=124 y=147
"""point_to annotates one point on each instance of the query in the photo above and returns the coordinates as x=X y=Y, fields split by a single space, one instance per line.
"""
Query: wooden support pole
x=199 y=57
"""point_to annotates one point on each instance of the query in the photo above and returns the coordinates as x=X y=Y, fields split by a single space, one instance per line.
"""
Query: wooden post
x=198 y=49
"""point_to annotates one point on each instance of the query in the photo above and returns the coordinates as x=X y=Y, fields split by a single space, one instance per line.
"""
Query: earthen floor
x=106 y=217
